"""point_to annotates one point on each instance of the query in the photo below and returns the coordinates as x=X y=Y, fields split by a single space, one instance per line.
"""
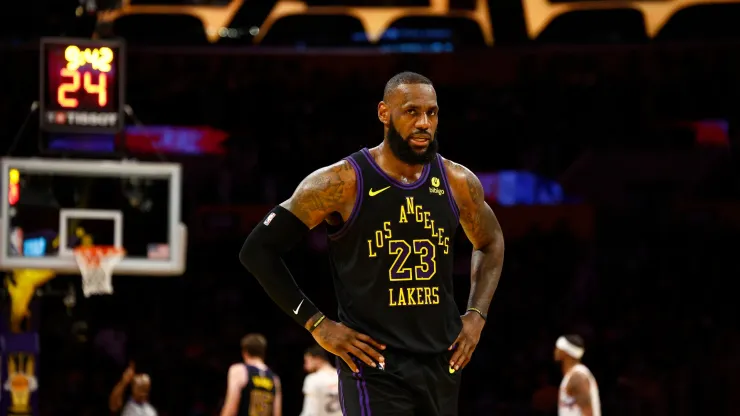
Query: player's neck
x=254 y=362
x=391 y=164
x=568 y=365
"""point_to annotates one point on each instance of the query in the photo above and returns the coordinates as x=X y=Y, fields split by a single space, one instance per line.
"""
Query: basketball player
x=138 y=404
x=252 y=388
x=579 y=393
x=321 y=387
x=392 y=212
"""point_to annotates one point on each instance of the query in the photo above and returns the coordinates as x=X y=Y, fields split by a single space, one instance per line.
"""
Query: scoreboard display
x=82 y=85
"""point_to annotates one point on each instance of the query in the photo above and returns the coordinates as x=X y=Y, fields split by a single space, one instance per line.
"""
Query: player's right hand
x=130 y=372
x=344 y=342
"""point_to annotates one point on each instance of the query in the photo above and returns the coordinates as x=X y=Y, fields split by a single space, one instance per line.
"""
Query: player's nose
x=423 y=123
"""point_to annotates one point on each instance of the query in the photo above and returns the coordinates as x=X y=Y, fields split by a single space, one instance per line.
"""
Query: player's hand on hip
x=466 y=342
x=344 y=342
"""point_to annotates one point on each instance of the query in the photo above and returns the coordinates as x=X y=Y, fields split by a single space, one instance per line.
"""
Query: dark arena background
x=605 y=134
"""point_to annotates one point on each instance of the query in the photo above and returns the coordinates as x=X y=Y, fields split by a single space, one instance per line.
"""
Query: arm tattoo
x=483 y=230
x=323 y=192
x=472 y=216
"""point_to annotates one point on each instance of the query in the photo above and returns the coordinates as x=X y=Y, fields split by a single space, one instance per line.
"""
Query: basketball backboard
x=55 y=205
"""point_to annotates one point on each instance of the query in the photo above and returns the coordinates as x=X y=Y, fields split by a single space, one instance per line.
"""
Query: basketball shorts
x=408 y=385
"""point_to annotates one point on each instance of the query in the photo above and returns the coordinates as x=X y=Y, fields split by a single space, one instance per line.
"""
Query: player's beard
x=405 y=153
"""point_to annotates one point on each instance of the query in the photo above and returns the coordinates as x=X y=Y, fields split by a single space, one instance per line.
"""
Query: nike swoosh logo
x=373 y=193
x=295 y=311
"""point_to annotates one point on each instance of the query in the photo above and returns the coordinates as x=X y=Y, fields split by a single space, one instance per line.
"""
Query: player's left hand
x=466 y=342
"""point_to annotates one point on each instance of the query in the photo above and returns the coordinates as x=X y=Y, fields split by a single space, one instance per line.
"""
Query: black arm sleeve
x=261 y=255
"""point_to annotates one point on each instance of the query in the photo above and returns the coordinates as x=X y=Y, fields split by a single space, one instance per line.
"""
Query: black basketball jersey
x=258 y=395
x=392 y=259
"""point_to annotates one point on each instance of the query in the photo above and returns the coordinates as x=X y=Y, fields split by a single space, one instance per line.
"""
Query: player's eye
x=411 y=112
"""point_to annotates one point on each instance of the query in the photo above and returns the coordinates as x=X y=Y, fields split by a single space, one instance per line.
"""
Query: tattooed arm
x=324 y=192
x=325 y=195
x=483 y=230
x=579 y=387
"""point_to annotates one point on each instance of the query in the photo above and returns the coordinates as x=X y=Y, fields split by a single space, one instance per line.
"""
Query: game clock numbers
x=82 y=85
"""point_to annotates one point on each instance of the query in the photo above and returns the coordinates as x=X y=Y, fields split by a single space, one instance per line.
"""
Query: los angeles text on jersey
x=413 y=261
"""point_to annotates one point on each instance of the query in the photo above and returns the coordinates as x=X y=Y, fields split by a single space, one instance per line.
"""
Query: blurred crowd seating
x=362 y=23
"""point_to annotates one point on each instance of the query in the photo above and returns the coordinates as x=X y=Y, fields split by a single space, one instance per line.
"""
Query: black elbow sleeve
x=261 y=254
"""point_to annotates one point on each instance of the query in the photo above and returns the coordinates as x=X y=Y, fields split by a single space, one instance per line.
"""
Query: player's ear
x=384 y=113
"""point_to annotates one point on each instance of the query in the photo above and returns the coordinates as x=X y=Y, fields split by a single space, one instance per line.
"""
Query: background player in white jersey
x=579 y=393
x=321 y=387
x=138 y=404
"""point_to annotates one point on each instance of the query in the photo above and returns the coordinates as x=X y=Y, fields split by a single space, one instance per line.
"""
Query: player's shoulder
x=580 y=377
x=238 y=367
x=341 y=170
x=238 y=371
x=310 y=379
x=328 y=189
x=456 y=171
x=464 y=184
x=334 y=180
x=582 y=370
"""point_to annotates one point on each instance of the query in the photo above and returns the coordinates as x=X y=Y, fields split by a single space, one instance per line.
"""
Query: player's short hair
x=576 y=340
x=406 y=77
x=318 y=352
x=255 y=345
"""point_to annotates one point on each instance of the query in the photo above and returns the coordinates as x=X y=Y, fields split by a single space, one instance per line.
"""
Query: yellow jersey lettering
x=262 y=382
x=260 y=403
x=439 y=234
x=413 y=296
x=427 y=252
x=402 y=219
x=410 y=291
x=401 y=298
x=371 y=253
x=398 y=270
x=434 y=229
x=410 y=205
x=427 y=295
x=387 y=228
x=379 y=239
x=447 y=245
x=419 y=214
x=427 y=222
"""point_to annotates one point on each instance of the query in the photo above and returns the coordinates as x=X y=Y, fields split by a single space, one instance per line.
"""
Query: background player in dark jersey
x=392 y=212
x=252 y=388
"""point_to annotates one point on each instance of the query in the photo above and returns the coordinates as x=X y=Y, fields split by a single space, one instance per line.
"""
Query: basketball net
x=96 y=265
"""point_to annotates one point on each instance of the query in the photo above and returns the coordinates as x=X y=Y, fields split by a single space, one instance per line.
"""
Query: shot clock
x=81 y=85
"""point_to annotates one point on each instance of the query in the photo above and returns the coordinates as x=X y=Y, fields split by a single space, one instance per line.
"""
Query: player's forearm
x=115 y=401
x=485 y=272
x=261 y=255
